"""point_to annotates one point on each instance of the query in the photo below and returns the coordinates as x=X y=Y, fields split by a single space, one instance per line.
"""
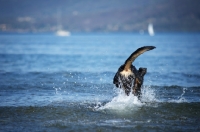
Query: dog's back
x=125 y=79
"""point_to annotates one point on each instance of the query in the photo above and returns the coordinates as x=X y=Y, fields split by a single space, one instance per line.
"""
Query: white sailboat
x=151 y=30
x=60 y=31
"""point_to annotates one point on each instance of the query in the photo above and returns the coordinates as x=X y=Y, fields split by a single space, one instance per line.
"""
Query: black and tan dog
x=128 y=77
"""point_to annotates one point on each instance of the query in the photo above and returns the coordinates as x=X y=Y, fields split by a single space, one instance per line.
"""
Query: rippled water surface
x=51 y=83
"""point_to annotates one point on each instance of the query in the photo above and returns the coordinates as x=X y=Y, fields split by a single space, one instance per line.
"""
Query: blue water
x=52 y=83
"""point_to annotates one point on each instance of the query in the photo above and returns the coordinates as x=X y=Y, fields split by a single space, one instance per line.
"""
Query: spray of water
x=181 y=98
x=122 y=102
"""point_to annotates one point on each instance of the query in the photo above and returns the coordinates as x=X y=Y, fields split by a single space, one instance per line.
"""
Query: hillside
x=99 y=16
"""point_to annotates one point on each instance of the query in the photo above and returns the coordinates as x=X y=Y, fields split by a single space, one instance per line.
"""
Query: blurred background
x=53 y=83
x=99 y=16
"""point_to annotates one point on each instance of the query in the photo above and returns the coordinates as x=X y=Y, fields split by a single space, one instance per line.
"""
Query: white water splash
x=180 y=99
x=123 y=102
x=148 y=94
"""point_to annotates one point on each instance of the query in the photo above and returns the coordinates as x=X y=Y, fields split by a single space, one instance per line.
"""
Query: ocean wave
x=18 y=89
x=151 y=95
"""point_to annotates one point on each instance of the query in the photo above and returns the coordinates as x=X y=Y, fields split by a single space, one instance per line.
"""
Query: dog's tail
x=135 y=54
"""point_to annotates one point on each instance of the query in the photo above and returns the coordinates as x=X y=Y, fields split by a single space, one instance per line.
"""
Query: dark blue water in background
x=51 y=83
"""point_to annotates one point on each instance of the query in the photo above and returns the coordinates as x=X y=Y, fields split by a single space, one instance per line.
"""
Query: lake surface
x=51 y=83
